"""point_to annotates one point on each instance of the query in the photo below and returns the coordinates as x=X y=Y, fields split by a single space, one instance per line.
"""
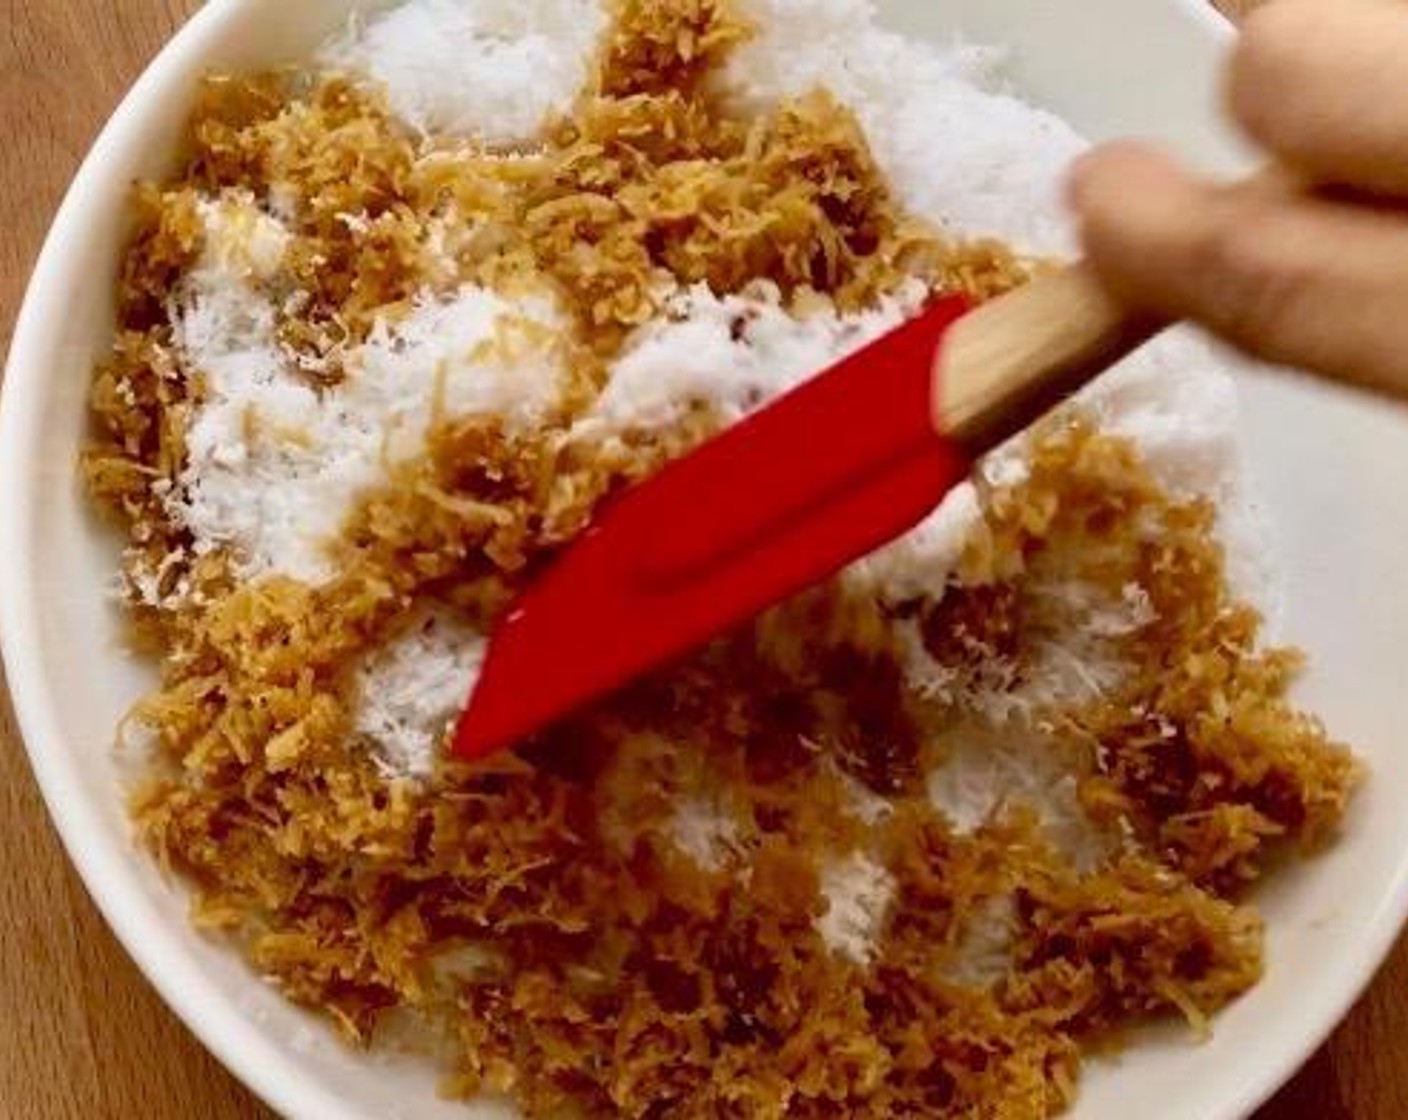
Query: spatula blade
x=780 y=501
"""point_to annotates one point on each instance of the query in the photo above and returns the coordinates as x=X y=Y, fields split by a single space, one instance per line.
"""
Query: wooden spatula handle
x=1005 y=364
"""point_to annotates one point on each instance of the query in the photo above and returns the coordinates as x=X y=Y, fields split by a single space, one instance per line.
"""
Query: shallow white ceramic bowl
x=1333 y=472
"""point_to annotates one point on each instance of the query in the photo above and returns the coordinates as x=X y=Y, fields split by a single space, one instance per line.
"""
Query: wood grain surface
x=81 y=1033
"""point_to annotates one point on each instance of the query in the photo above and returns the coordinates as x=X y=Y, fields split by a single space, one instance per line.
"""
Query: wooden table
x=81 y=1033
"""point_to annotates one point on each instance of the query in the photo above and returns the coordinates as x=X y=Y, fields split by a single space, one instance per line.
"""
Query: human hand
x=1305 y=265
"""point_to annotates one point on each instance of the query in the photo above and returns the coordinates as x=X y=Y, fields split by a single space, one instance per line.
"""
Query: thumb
x=1286 y=275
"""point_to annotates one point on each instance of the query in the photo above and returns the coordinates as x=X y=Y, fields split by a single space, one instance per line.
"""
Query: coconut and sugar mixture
x=907 y=844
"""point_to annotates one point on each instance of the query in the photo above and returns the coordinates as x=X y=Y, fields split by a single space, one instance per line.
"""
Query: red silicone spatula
x=787 y=497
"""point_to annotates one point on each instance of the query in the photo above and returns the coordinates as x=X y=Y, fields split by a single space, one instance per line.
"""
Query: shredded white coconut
x=241 y=240
x=704 y=832
x=494 y=70
x=958 y=149
x=411 y=691
x=983 y=953
x=735 y=352
x=867 y=806
x=858 y=893
x=987 y=771
x=151 y=583
x=274 y=464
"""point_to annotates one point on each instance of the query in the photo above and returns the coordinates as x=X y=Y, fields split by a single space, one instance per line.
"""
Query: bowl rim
x=218 y=1024
x=221 y=1027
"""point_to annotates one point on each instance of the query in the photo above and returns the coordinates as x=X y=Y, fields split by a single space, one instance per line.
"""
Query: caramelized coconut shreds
x=166 y=243
x=141 y=402
x=1134 y=939
x=1200 y=745
x=548 y=914
x=595 y=990
x=670 y=49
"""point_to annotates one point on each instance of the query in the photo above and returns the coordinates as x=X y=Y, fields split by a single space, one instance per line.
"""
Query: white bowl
x=1332 y=470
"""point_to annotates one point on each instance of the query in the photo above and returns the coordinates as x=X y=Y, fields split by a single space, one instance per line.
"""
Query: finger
x=1289 y=277
x=1324 y=87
